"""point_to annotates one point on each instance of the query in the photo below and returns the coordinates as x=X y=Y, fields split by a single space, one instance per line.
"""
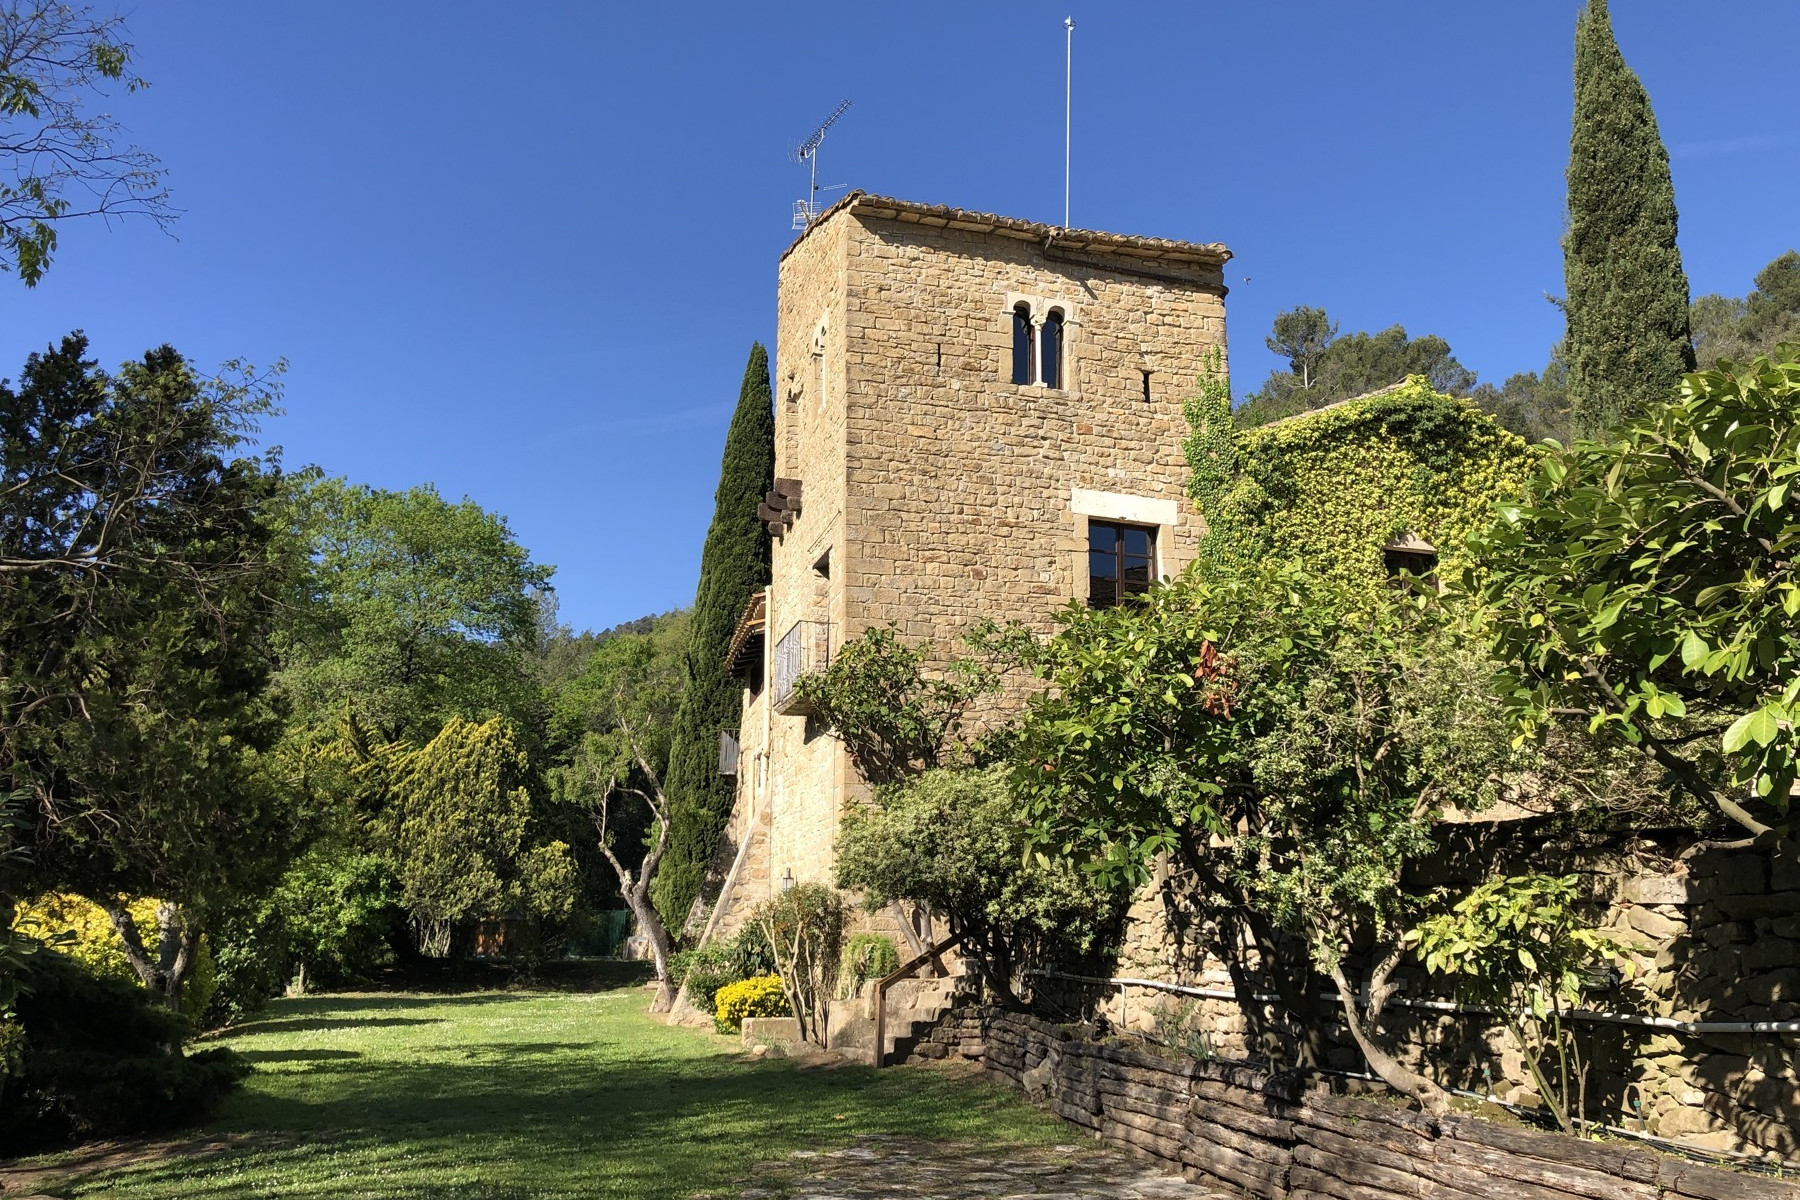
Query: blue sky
x=521 y=251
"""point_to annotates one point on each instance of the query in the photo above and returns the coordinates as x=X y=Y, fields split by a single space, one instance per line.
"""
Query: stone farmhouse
x=976 y=416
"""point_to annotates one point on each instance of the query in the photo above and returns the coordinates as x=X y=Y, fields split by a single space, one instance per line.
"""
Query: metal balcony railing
x=805 y=649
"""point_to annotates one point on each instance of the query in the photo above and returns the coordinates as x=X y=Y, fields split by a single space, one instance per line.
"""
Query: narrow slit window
x=1146 y=387
x=1024 y=345
x=1051 y=340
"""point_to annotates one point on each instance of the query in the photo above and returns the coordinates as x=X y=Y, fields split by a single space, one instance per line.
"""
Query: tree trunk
x=177 y=949
x=1386 y=1067
x=649 y=923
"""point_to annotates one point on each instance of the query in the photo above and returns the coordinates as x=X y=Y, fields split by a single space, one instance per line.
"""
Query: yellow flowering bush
x=758 y=996
x=97 y=946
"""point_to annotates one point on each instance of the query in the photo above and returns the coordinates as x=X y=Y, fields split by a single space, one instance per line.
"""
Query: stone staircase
x=914 y=1007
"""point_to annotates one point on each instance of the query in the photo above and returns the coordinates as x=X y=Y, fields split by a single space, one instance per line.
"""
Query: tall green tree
x=621 y=711
x=416 y=609
x=461 y=821
x=1325 y=368
x=733 y=565
x=1302 y=335
x=1627 y=295
x=140 y=566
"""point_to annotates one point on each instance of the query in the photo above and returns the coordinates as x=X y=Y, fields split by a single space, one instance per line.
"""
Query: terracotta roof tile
x=1143 y=249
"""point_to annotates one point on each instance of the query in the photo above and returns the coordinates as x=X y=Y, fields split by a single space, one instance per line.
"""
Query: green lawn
x=525 y=1095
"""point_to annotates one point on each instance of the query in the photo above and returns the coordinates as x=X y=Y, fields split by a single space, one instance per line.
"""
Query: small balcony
x=805 y=649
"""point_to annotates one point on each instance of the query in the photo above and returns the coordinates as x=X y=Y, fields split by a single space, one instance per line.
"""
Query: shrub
x=102 y=1058
x=251 y=961
x=710 y=967
x=335 y=910
x=85 y=934
x=705 y=970
x=957 y=840
x=759 y=997
x=869 y=956
x=805 y=931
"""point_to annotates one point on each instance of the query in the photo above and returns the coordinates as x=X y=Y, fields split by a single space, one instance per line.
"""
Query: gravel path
x=885 y=1168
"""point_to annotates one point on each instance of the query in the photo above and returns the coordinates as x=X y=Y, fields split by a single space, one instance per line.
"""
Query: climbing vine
x=1211 y=443
x=1331 y=488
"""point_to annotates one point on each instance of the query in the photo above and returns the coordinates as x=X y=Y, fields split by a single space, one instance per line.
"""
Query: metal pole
x=1068 y=105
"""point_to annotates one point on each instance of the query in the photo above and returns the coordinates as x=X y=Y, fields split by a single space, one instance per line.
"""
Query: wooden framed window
x=1121 y=562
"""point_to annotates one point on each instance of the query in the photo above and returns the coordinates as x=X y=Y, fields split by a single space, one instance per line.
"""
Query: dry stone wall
x=1714 y=937
x=1260 y=1134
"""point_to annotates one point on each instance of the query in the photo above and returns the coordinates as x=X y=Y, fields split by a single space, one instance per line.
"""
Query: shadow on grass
x=282 y=1056
x=312 y=1024
x=555 y=1120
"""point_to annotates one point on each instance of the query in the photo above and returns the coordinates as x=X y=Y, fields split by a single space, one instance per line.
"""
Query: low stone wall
x=1243 y=1130
x=1713 y=935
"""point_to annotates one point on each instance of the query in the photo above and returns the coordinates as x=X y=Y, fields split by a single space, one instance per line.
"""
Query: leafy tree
x=1645 y=588
x=139 y=569
x=733 y=565
x=894 y=717
x=1519 y=948
x=415 y=610
x=627 y=700
x=1532 y=404
x=459 y=826
x=1286 y=740
x=1628 y=336
x=335 y=909
x=804 y=929
x=954 y=839
x=58 y=160
x=1302 y=336
x=1727 y=329
x=1327 y=368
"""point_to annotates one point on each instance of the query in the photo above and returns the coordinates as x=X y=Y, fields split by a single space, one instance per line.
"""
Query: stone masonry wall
x=1260 y=1134
x=807 y=769
x=1715 y=937
x=935 y=492
x=960 y=481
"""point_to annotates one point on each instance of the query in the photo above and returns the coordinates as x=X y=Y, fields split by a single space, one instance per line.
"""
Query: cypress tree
x=1628 y=336
x=733 y=565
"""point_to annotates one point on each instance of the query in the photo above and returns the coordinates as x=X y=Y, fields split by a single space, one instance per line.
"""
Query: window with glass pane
x=1052 y=336
x=1121 y=562
x=1024 y=345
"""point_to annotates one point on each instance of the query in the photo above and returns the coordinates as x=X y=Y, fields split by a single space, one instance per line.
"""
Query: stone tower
x=976 y=416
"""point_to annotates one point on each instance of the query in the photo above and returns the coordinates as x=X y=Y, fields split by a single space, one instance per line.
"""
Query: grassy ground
x=532 y=1096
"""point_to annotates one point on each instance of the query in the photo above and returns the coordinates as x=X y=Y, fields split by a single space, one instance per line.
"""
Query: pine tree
x=1628 y=337
x=734 y=564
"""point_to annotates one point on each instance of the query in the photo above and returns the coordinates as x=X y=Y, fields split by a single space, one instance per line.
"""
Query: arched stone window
x=1024 y=369
x=1050 y=346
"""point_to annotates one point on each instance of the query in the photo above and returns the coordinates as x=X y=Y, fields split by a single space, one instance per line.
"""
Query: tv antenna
x=807 y=211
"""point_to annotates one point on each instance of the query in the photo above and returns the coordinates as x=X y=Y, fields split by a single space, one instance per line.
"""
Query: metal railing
x=805 y=649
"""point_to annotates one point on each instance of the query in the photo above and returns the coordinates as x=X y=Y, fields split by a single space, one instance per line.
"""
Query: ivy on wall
x=1331 y=488
x=1211 y=443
